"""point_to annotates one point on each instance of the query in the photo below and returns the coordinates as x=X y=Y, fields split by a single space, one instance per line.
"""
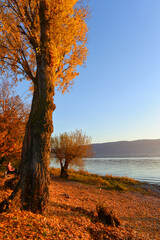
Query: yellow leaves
x=66 y=38
x=38 y=50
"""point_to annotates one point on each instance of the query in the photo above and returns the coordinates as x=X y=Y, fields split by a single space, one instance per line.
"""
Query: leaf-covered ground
x=71 y=214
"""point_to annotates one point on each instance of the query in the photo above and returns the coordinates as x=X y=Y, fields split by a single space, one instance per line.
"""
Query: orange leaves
x=22 y=225
x=15 y=41
x=64 y=44
x=13 y=117
x=75 y=217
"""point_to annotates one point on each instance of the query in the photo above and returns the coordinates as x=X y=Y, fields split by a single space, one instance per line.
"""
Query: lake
x=144 y=169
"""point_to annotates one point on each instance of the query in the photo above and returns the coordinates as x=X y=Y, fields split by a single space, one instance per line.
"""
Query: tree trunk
x=34 y=170
x=64 y=170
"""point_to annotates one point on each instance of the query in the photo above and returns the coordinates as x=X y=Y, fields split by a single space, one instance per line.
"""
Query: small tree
x=70 y=149
x=14 y=114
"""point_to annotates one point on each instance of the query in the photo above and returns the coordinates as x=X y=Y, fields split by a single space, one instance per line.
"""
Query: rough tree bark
x=34 y=172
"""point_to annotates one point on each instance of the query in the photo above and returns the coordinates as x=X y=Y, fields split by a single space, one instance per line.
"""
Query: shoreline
x=154 y=188
x=153 y=184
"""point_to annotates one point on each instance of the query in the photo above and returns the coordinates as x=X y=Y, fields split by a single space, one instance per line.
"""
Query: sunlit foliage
x=22 y=42
x=13 y=117
x=70 y=149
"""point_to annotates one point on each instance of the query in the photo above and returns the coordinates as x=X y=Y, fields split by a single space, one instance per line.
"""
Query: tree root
x=10 y=183
x=4 y=205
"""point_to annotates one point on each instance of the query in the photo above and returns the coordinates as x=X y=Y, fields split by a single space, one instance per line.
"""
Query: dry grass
x=106 y=182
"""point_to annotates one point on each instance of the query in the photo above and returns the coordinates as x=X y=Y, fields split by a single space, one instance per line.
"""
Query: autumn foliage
x=70 y=149
x=13 y=117
x=22 y=41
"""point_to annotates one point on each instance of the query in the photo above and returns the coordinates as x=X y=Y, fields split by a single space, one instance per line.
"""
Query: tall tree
x=70 y=149
x=42 y=41
x=14 y=114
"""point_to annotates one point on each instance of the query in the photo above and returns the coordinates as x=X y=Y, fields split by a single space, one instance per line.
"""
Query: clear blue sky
x=117 y=95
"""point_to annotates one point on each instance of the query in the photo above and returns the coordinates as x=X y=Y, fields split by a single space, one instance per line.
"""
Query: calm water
x=142 y=169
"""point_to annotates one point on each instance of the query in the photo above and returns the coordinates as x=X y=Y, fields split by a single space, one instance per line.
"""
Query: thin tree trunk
x=61 y=168
x=64 y=170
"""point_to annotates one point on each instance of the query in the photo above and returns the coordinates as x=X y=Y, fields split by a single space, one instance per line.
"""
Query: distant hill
x=138 y=148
